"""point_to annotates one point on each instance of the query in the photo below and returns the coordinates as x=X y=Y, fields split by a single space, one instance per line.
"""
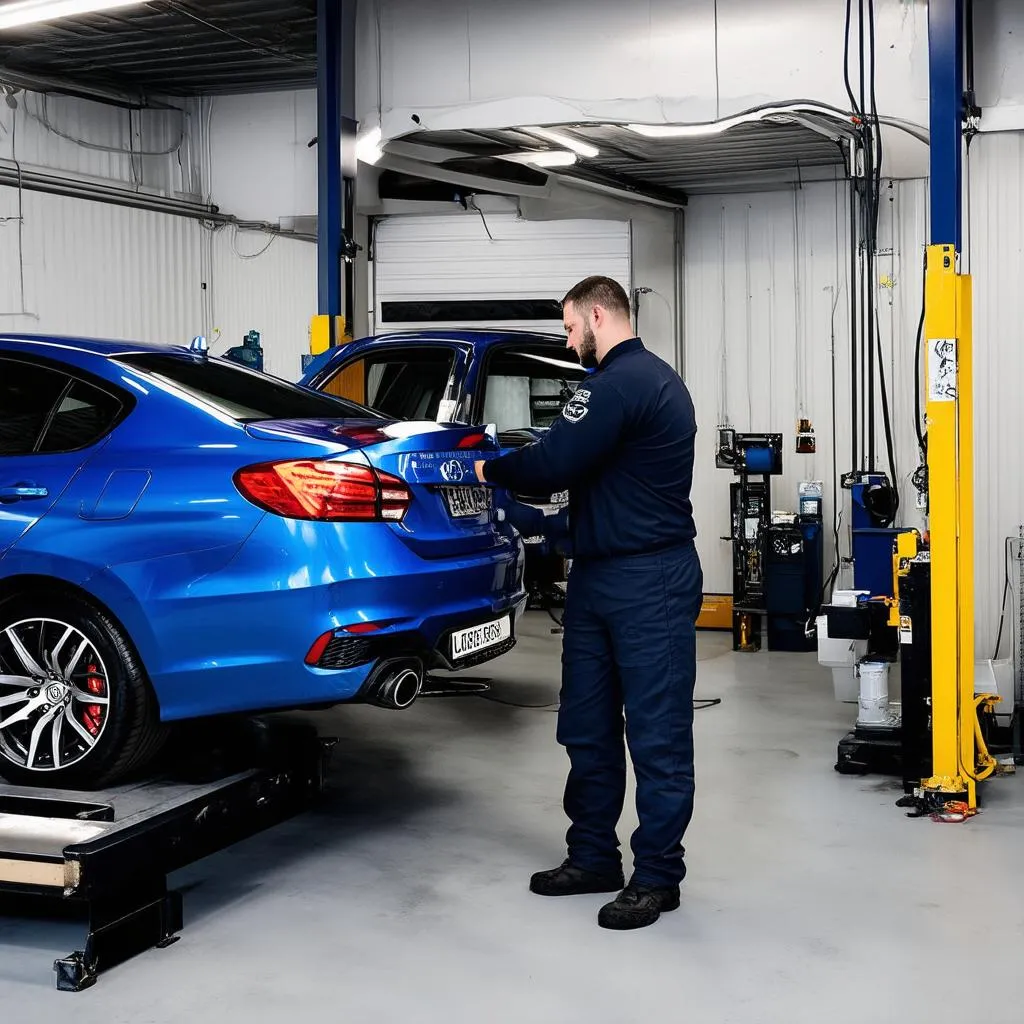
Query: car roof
x=475 y=336
x=103 y=347
x=108 y=347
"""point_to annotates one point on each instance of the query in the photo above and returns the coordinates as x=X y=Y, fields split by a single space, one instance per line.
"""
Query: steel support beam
x=946 y=96
x=336 y=160
x=328 y=140
x=949 y=417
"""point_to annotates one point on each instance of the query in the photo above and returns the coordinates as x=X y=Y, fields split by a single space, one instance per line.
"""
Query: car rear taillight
x=328 y=490
x=472 y=441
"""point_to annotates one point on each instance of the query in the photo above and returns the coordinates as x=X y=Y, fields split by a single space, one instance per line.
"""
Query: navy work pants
x=630 y=647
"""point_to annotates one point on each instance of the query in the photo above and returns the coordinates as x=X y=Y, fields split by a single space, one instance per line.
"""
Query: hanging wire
x=748 y=300
x=43 y=118
x=801 y=381
x=723 y=380
x=251 y=255
x=771 y=326
x=24 y=311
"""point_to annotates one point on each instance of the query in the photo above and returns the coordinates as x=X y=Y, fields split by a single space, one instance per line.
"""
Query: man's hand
x=478 y=468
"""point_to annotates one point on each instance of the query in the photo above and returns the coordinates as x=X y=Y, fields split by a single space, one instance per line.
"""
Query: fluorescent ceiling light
x=368 y=147
x=779 y=115
x=561 y=139
x=29 y=12
x=543 y=157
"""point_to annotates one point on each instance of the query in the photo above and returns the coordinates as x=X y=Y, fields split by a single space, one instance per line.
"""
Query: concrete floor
x=403 y=898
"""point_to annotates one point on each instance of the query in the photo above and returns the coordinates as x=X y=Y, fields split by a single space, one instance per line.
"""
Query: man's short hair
x=598 y=291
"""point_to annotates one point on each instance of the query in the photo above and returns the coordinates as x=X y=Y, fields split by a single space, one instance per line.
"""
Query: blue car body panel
x=222 y=599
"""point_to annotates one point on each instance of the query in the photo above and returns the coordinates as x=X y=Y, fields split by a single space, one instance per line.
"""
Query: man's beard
x=588 y=348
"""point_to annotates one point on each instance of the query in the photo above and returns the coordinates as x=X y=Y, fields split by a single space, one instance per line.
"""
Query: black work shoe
x=569 y=880
x=637 y=906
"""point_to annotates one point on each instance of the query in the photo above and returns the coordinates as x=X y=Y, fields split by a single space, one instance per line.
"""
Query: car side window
x=28 y=394
x=84 y=415
x=405 y=383
x=526 y=387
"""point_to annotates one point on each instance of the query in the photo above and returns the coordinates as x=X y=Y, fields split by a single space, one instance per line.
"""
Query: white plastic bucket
x=874 y=693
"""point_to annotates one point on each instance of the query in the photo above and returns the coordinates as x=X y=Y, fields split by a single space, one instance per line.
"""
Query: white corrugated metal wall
x=264 y=283
x=994 y=226
x=75 y=266
x=97 y=269
x=150 y=148
x=766 y=286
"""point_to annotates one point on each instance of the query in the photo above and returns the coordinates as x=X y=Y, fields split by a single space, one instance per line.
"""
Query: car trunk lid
x=450 y=514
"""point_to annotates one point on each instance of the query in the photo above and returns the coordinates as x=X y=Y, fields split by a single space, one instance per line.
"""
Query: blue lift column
x=946 y=108
x=336 y=171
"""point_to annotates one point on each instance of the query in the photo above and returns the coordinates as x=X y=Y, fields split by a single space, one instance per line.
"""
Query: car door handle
x=22 y=492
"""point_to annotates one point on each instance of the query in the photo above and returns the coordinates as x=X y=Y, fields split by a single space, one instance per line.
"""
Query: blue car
x=182 y=537
x=517 y=380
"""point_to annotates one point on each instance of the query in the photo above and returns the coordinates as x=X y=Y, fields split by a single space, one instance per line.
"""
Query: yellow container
x=716 y=612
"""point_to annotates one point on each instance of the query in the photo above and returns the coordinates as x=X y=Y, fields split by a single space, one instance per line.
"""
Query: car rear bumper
x=345 y=651
x=238 y=640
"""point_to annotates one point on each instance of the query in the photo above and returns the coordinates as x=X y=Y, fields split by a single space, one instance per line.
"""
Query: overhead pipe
x=54 y=184
x=49 y=84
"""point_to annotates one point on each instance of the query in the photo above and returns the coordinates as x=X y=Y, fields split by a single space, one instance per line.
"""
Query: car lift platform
x=111 y=850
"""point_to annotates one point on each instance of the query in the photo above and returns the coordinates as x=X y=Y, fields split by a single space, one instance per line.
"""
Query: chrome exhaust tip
x=399 y=688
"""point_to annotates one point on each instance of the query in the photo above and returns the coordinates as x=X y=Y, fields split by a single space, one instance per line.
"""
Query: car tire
x=109 y=723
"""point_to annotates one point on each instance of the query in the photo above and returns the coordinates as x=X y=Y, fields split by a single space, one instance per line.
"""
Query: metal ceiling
x=173 y=47
x=696 y=164
x=194 y=47
x=667 y=169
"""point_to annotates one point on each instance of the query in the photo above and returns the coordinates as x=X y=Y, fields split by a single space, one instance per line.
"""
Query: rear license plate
x=466 y=501
x=479 y=638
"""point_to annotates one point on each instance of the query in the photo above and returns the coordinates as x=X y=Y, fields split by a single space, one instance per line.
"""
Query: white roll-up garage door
x=463 y=270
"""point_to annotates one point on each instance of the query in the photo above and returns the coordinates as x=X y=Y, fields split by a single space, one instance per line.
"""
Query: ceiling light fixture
x=543 y=157
x=368 y=147
x=29 y=12
x=561 y=139
x=780 y=115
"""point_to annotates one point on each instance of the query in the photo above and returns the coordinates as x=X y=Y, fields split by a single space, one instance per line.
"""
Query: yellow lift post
x=949 y=416
x=959 y=759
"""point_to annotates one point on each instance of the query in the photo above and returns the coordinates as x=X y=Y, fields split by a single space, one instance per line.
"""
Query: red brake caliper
x=92 y=719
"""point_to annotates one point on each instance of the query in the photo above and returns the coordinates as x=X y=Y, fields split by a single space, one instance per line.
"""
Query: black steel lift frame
x=112 y=851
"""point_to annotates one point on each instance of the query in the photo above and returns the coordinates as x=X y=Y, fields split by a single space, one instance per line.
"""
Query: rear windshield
x=247 y=396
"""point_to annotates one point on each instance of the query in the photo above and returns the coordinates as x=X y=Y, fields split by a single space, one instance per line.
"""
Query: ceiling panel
x=174 y=47
x=193 y=47
x=747 y=155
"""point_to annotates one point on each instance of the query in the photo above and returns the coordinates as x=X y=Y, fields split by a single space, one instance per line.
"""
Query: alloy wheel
x=54 y=694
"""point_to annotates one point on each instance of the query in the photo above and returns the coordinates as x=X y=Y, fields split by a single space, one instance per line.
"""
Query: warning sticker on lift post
x=906 y=630
x=942 y=367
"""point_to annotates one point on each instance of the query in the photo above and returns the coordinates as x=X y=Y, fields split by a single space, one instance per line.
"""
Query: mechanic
x=624 y=449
